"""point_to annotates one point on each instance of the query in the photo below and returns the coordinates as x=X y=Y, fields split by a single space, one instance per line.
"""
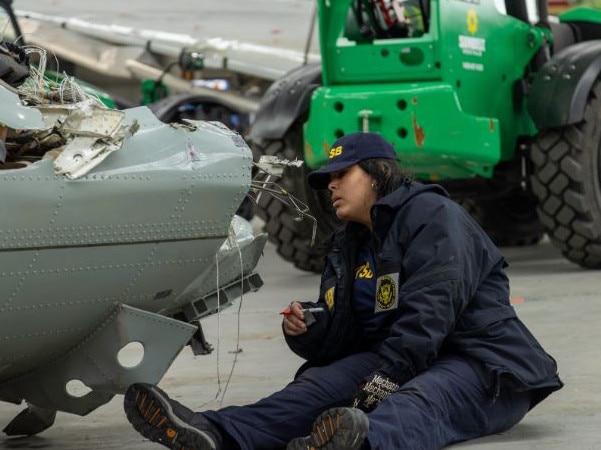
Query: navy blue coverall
x=446 y=333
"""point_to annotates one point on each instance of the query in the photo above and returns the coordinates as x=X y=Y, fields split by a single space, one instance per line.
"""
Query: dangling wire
x=41 y=89
x=237 y=350
x=218 y=347
x=268 y=168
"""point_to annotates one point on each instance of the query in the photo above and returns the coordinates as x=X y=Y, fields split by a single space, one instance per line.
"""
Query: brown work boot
x=335 y=429
x=158 y=418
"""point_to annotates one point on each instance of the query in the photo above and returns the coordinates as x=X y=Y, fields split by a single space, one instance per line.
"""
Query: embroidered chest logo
x=364 y=271
x=386 y=292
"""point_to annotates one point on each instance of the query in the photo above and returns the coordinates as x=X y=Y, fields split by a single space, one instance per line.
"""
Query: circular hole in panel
x=77 y=389
x=131 y=355
x=338 y=133
x=402 y=105
x=402 y=132
x=338 y=107
x=411 y=56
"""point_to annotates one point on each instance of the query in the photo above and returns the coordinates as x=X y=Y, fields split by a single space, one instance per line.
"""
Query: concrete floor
x=561 y=305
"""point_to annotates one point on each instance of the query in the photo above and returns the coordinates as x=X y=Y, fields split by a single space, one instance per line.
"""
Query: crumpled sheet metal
x=93 y=133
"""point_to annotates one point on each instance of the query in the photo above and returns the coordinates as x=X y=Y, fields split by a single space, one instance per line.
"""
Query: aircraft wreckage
x=115 y=229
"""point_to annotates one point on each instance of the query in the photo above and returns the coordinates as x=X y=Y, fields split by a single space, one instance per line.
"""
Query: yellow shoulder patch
x=329 y=297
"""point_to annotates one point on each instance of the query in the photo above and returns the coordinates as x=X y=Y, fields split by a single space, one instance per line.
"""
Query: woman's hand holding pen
x=294 y=319
x=297 y=318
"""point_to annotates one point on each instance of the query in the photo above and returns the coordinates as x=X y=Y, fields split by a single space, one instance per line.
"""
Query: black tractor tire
x=510 y=221
x=291 y=236
x=567 y=182
x=176 y=108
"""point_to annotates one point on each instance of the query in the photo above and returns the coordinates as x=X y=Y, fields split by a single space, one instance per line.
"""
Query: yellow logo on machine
x=329 y=297
x=472 y=21
x=364 y=271
x=386 y=292
x=336 y=151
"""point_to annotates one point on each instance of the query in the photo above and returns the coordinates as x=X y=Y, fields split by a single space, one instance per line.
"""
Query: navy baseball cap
x=347 y=151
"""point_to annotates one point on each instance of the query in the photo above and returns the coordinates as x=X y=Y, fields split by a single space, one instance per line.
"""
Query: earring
x=374 y=186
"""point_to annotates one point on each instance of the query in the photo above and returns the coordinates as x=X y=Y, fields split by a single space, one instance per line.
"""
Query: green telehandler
x=496 y=100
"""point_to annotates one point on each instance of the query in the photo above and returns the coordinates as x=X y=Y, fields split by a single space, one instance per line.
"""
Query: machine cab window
x=386 y=19
x=526 y=10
